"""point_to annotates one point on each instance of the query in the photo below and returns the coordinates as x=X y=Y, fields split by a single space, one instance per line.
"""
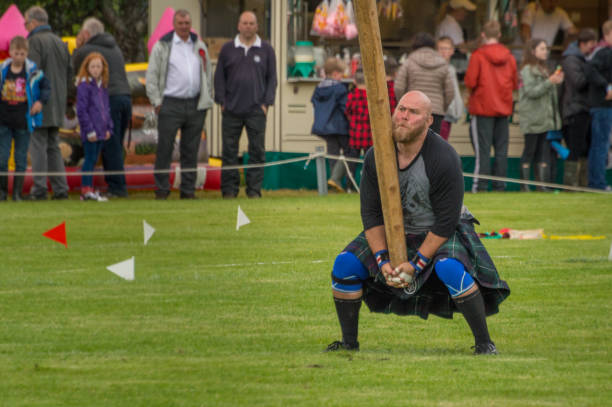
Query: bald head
x=417 y=97
x=412 y=118
x=247 y=26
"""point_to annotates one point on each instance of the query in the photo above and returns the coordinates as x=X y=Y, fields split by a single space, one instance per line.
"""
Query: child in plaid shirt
x=360 y=132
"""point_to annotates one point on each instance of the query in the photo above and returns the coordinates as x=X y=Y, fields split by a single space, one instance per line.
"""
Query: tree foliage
x=127 y=20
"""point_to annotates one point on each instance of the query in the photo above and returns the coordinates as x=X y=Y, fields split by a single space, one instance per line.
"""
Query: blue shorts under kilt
x=429 y=295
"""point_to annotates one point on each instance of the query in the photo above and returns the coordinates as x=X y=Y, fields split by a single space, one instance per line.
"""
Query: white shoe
x=93 y=196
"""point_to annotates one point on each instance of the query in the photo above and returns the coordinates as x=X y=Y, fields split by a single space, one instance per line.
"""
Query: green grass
x=217 y=317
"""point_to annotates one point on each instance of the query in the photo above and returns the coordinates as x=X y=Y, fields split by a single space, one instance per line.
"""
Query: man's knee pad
x=348 y=273
x=453 y=275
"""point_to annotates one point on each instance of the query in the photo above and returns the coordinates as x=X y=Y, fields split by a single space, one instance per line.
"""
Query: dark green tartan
x=429 y=295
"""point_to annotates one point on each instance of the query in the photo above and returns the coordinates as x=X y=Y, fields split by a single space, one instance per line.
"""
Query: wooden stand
x=380 y=121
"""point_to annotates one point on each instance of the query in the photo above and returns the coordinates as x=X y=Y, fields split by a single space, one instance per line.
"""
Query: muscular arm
x=376 y=238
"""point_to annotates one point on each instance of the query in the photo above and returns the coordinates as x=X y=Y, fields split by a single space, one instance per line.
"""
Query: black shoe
x=229 y=196
x=114 y=195
x=188 y=196
x=339 y=345
x=161 y=196
x=60 y=197
x=485 y=349
x=31 y=197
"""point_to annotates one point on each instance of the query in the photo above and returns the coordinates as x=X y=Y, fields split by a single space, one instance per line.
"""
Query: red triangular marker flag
x=58 y=234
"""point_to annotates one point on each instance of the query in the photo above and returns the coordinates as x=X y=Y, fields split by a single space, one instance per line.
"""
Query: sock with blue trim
x=473 y=310
x=348 y=316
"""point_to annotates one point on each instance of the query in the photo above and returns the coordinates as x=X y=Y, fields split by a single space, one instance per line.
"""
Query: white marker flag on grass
x=242 y=219
x=610 y=255
x=124 y=269
x=148 y=231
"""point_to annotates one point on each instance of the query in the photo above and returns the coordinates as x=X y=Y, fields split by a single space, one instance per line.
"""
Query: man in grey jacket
x=92 y=38
x=179 y=87
x=51 y=55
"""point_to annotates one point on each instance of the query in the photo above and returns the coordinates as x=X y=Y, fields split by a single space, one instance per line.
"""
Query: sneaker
x=188 y=196
x=333 y=184
x=485 y=349
x=339 y=345
x=115 y=195
x=32 y=197
x=161 y=195
x=60 y=197
x=93 y=196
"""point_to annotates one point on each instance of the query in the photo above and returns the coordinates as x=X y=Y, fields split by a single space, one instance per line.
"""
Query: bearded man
x=452 y=270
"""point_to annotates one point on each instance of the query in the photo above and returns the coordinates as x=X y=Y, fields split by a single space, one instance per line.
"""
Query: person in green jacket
x=538 y=109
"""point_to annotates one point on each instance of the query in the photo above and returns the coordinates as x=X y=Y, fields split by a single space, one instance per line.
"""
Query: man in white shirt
x=450 y=26
x=543 y=19
x=178 y=84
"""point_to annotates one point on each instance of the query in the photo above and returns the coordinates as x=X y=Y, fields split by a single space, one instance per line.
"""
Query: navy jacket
x=599 y=75
x=575 y=88
x=105 y=44
x=329 y=102
x=245 y=82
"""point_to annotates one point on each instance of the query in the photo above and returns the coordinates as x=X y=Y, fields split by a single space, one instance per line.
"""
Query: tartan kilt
x=428 y=294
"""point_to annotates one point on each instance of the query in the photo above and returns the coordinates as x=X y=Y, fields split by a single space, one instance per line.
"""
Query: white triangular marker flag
x=242 y=219
x=148 y=231
x=124 y=269
x=610 y=255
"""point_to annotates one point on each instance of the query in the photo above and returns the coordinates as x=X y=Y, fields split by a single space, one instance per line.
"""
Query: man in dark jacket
x=245 y=84
x=92 y=38
x=51 y=55
x=599 y=76
x=575 y=108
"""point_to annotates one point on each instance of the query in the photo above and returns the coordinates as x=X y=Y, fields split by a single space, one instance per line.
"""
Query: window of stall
x=324 y=28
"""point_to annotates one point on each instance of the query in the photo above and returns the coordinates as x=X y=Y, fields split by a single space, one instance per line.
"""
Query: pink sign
x=163 y=27
x=11 y=25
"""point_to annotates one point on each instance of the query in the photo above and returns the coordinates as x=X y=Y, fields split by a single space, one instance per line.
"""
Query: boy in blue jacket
x=330 y=123
x=23 y=90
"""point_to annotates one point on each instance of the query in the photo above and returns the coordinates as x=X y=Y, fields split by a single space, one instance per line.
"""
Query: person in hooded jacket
x=92 y=38
x=599 y=75
x=491 y=77
x=575 y=108
x=330 y=123
x=539 y=110
x=427 y=71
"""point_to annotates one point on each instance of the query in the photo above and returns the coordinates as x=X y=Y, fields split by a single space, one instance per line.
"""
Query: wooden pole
x=380 y=121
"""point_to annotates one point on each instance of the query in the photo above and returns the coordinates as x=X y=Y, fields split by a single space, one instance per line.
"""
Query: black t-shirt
x=431 y=190
x=14 y=100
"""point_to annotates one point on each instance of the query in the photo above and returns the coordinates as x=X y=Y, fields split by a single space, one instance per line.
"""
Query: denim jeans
x=22 y=140
x=601 y=124
x=92 y=152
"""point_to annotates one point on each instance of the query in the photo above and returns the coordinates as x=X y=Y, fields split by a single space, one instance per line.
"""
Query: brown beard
x=405 y=135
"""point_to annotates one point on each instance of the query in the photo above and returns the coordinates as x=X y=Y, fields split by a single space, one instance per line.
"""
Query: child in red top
x=358 y=115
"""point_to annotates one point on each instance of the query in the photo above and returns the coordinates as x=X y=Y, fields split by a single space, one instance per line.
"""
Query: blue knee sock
x=348 y=273
x=453 y=275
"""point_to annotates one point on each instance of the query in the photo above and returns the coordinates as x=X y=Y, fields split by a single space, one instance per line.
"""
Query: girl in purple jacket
x=93 y=112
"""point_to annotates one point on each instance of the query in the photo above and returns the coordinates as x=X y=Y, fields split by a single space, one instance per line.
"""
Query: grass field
x=219 y=317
